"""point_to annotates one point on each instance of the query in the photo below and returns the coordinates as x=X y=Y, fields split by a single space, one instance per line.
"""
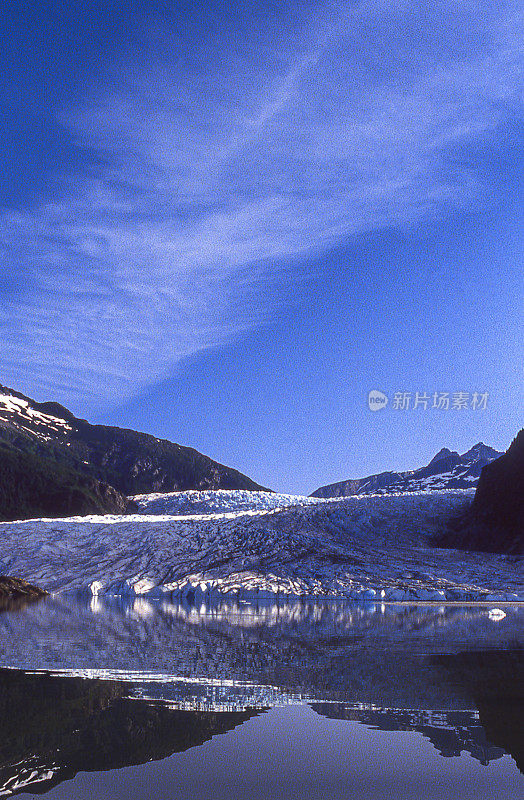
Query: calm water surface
x=301 y=701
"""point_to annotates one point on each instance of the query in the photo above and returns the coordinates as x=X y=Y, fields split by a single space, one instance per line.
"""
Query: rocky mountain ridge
x=446 y=470
x=55 y=464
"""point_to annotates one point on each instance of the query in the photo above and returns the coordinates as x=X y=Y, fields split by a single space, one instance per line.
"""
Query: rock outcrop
x=495 y=521
x=15 y=592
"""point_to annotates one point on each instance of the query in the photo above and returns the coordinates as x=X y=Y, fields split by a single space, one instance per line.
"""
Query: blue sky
x=225 y=224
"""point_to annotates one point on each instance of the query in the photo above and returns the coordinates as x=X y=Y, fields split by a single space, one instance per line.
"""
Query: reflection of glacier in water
x=188 y=694
x=102 y=685
x=52 y=722
x=297 y=646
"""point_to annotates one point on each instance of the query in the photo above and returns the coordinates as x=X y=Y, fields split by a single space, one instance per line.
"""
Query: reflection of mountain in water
x=450 y=732
x=161 y=680
x=496 y=682
x=53 y=728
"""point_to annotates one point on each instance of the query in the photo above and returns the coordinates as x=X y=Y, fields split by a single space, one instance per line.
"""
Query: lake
x=300 y=700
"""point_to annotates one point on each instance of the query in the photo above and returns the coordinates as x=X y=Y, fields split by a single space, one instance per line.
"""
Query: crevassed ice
x=373 y=548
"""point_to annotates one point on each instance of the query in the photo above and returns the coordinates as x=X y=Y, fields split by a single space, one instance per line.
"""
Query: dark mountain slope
x=34 y=486
x=53 y=464
x=137 y=463
x=495 y=521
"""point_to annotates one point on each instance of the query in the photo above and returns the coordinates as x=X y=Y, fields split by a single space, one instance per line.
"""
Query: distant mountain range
x=54 y=464
x=447 y=470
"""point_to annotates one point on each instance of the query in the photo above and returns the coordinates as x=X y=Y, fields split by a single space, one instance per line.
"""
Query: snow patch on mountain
x=30 y=420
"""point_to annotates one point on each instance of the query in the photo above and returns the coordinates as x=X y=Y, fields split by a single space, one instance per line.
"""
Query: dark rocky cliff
x=495 y=521
x=498 y=507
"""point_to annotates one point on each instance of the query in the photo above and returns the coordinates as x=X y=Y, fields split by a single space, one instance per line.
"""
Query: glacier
x=218 y=501
x=243 y=545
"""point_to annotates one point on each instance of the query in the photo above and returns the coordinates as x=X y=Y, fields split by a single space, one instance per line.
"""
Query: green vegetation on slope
x=32 y=485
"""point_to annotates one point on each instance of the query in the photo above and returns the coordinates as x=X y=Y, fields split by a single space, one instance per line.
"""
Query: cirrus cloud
x=206 y=187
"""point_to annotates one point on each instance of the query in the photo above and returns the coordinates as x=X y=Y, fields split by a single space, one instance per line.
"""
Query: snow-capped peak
x=480 y=450
x=446 y=470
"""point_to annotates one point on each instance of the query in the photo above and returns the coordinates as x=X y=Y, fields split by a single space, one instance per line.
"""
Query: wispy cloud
x=170 y=245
